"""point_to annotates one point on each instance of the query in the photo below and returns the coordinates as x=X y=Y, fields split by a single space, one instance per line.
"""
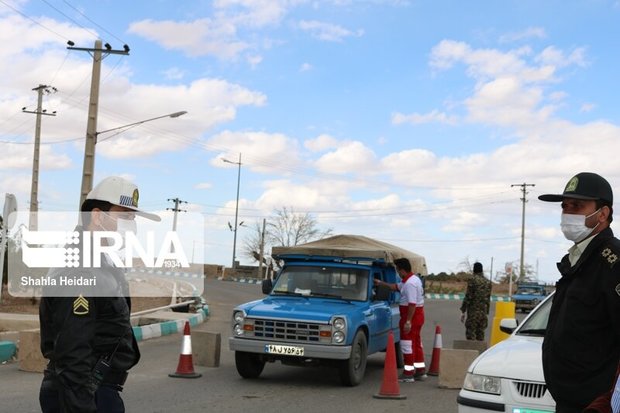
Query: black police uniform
x=81 y=335
x=581 y=348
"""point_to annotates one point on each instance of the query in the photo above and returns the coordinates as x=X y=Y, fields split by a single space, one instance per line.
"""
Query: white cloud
x=327 y=31
x=321 y=143
x=203 y=185
x=260 y=151
x=305 y=67
x=529 y=33
x=348 y=157
x=16 y=156
x=587 y=107
x=416 y=118
x=196 y=38
x=553 y=56
x=174 y=73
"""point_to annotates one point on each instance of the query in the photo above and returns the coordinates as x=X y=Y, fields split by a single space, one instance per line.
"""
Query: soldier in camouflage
x=476 y=305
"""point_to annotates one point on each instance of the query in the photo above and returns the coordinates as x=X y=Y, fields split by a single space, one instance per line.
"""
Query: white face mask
x=574 y=226
x=123 y=226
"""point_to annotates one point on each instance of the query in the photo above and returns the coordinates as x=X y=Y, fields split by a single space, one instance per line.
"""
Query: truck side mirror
x=382 y=292
x=267 y=286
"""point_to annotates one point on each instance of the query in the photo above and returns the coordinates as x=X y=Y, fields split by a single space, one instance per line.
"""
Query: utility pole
x=262 y=250
x=236 y=227
x=98 y=55
x=34 y=188
x=176 y=210
x=524 y=200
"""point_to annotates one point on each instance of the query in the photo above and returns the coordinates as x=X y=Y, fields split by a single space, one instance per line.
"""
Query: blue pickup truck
x=528 y=295
x=322 y=308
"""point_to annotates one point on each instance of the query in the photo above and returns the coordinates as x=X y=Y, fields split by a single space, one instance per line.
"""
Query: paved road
x=149 y=389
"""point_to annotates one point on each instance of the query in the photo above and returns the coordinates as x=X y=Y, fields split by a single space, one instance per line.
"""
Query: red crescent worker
x=411 y=320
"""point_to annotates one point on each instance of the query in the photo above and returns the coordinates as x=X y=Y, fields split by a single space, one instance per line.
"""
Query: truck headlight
x=238 y=316
x=338 y=337
x=482 y=384
x=238 y=329
x=339 y=323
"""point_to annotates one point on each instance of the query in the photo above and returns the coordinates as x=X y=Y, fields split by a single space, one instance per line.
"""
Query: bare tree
x=286 y=228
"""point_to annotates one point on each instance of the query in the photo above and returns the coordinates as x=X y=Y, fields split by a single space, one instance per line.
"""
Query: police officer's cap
x=121 y=192
x=584 y=185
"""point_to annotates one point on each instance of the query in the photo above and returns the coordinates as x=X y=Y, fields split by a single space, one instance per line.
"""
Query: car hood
x=299 y=308
x=517 y=357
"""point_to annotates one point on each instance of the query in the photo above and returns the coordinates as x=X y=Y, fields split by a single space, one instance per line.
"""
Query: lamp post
x=89 y=161
x=236 y=207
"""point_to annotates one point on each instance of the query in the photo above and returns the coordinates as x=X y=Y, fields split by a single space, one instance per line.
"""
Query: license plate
x=522 y=410
x=284 y=350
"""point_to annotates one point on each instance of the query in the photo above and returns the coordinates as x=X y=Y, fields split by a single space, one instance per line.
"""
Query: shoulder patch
x=80 y=306
x=609 y=256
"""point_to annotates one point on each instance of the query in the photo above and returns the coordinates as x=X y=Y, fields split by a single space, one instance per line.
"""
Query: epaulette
x=611 y=252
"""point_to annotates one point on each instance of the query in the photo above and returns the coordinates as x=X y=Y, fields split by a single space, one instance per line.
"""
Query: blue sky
x=406 y=121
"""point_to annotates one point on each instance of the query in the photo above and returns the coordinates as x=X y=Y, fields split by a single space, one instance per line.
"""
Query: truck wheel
x=352 y=370
x=249 y=365
x=400 y=362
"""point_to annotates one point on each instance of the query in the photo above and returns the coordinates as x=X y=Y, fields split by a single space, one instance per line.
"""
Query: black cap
x=584 y=185
x=477 y=268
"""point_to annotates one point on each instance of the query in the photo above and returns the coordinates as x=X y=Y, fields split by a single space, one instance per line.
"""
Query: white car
x=508 y=377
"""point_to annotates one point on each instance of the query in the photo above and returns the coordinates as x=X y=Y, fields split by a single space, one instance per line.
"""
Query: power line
x=70 y=18
x=33 y=20
x=93 y=22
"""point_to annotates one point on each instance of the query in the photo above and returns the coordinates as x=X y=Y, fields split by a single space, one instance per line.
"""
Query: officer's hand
x=462 y=317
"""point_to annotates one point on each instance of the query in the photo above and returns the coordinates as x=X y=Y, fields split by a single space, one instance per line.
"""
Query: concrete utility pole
x=236 y=227
x=176 y=210
x=98 y=55
x=524 y=200
x=262 y=251
x=34 y=188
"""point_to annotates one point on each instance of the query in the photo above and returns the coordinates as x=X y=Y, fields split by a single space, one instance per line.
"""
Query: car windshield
x=330 y=282
x=529 y=290
x=536 y=323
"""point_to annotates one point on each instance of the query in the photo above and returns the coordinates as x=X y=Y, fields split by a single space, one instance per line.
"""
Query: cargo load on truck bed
x=353 y=246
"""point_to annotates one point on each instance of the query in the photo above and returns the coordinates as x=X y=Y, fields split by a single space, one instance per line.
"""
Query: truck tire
x=352 y=370
x=249 y=365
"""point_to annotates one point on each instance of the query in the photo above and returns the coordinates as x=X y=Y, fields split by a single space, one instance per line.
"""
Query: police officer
x=476 y=304
x=85 y=329
x=581 y=349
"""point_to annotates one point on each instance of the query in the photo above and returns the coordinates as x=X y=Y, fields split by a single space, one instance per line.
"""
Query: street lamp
x=234 y=230
x=89 y=161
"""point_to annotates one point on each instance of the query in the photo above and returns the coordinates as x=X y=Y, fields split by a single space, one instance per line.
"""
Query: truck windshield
x=330 y=282
x=529 y=291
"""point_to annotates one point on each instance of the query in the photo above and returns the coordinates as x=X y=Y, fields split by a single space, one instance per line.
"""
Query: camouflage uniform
x=476 y=304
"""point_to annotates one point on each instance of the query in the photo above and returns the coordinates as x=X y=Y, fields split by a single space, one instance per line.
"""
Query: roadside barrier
x=389 y=387
x=185 y=368
x=433 y=370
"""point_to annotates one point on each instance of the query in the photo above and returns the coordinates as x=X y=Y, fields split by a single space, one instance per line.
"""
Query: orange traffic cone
x=433 y=370
x=389 y=387
x=185 y=368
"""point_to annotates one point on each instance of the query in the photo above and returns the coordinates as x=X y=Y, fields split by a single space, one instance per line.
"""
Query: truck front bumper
x=310 y=350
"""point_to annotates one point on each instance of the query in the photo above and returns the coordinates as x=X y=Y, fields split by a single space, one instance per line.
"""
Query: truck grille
x=530 y=390
x=287 y=330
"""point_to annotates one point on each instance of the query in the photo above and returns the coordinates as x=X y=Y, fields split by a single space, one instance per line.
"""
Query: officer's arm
x=467 y=297
x=73 y=352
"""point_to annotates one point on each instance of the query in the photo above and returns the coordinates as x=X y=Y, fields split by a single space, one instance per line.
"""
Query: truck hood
x=517 y=357
x=299 y=308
